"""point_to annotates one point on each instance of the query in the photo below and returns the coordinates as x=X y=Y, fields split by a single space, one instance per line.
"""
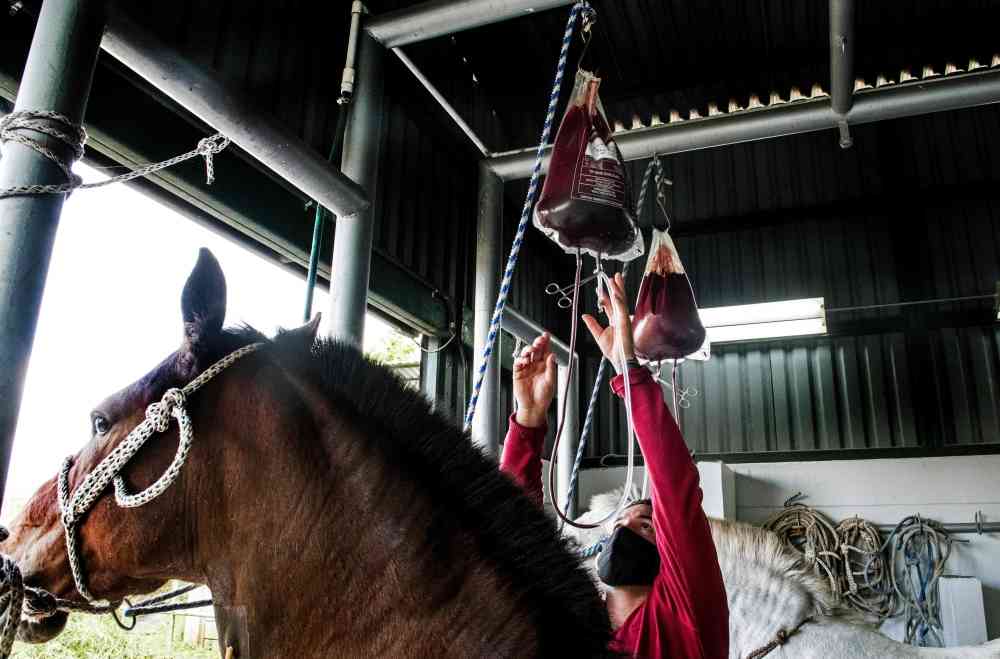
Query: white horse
x=771 y=592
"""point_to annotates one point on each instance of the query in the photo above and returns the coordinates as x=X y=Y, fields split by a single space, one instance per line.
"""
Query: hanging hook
x=661 y=181
x=795 y=498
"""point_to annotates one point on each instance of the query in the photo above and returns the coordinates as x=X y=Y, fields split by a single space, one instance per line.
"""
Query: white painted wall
x=949 y=489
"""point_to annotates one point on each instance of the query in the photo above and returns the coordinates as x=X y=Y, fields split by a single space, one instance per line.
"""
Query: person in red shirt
x=664 y=590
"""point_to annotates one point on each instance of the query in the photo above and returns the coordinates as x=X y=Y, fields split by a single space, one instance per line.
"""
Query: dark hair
x=637 y=502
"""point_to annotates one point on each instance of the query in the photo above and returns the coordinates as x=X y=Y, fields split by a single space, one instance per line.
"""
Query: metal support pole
x=350 y=266
x=440 y=17
x=485 y=431
x=430 y=369
x=227 y=110
x=842 y=64
x=57 y=77
x=570 y=436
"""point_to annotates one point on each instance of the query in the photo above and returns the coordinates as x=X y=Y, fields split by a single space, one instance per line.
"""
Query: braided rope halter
x=158 y=415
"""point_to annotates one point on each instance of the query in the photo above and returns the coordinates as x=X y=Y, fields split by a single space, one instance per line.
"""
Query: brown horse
x=330 y=511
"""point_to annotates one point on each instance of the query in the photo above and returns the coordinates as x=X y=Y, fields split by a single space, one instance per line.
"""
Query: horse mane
x=759 y=555
x=466 y=486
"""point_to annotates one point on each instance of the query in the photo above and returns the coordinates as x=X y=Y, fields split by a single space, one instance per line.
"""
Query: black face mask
x=628 y=560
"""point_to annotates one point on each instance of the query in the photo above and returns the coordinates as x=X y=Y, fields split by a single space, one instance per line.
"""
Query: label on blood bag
x=599 y=175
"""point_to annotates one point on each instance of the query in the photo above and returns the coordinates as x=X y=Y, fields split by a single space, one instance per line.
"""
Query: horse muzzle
x=41 y=629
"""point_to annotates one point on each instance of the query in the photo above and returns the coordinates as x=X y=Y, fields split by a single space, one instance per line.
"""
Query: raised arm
x=534 y=386
x=689 y=583
x=689 y=567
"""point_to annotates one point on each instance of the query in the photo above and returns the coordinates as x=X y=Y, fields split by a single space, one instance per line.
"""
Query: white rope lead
x=73 y=136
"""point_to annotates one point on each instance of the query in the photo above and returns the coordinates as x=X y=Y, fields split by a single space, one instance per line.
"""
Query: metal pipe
x=442 y=101
x=961 y=527
x=528 y=330
x=57 y=77
x=350 y=265
x=225 y=109
x=347 y=80
x=485 y=432
x=842 y=64
x=893 y=102
x=569 y=396
x=441 y=17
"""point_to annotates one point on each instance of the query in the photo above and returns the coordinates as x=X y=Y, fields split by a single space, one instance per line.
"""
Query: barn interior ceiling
x=906 y=213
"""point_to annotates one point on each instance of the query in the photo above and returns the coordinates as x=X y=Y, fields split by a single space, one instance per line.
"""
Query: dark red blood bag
x=666 y=323
x=584 y=199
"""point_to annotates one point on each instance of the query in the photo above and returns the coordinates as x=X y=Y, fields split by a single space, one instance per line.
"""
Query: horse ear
x=307 y=333
x=203 y=302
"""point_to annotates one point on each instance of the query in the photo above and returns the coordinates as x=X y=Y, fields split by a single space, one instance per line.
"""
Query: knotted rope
x=11 y=600
x=13 y=128
x=920 y=549
x=865 y=575
x=157 y=420
x=810 y=533
x=779 y=639
x=529 y=201
x=15 y=597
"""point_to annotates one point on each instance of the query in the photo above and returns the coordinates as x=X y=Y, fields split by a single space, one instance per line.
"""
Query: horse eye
x=101 y=425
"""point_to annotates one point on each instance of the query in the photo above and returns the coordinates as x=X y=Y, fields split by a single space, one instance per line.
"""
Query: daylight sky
x=111 y=312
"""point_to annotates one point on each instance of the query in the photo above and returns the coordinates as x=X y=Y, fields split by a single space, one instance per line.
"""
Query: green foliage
x=396 y=349
x=98 y=637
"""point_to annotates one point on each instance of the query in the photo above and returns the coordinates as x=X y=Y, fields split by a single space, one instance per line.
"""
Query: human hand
x=534 y=382
x=617 y=309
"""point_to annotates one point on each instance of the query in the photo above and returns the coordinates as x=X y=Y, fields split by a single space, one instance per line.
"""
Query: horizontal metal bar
x=442 y=101
x=894 y=102
x=201 y=92
x=961 y=527
x=441 y=17
x=528 y=330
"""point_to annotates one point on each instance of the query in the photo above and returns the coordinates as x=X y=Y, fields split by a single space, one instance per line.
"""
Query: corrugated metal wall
x=909 y=214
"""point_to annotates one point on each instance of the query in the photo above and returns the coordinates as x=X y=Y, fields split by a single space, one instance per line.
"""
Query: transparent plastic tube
x=603 y=283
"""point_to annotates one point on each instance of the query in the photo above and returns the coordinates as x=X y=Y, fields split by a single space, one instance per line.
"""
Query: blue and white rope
x=529 y=201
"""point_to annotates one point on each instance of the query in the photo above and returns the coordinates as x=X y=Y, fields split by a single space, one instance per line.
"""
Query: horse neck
x=321 y=545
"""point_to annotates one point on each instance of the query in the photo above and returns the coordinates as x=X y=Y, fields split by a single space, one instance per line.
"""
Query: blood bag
x=585 y=199
x=666 y=323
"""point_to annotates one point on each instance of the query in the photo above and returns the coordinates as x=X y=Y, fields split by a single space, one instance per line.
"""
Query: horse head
x=124 y=551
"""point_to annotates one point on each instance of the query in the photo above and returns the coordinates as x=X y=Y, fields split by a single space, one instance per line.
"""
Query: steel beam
x=224 y=108
x=485 y=424
x=441 y=17
x=442 y=101
x=350 y=265
x=893 y=102
x=57 y=77
x=842 y=63
x=516 y=323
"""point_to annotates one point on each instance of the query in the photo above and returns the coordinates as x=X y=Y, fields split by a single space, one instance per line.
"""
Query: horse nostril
x=4 y=533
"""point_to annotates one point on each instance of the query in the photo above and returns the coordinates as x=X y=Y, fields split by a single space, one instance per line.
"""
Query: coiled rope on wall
x=810 y=533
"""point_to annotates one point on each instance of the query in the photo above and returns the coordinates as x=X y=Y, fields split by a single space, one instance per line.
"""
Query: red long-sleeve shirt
x=686 y=614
